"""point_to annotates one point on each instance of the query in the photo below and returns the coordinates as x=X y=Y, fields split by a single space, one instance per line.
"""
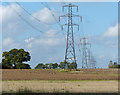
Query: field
x=81 y=74
x=80 y=81
x=61 y=86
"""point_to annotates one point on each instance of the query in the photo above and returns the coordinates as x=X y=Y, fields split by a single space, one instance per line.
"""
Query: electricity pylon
x=93 y=62
x=85 y=52
x=70 y=50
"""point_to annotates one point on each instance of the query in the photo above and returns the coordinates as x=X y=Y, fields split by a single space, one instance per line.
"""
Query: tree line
x=113 y=65
x=62 y=65
x=15 y=58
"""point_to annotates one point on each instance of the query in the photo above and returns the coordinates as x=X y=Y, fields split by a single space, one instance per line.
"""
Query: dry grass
x=61 y=86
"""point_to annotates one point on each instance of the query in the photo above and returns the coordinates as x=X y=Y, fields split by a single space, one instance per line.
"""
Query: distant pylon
x=70 y=50
x=92 y=62
x=85 y=46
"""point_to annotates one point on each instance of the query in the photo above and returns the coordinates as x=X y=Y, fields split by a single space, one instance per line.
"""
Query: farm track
x=39 y=74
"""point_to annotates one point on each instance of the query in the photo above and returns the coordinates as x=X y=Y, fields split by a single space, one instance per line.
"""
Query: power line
x=39 y=19
x=25 y=19
x=54 y=18
x=32 y=15
x=35 y=18
x=51 y=13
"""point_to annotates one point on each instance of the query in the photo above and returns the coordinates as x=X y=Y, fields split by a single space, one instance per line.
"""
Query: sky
x=45 y=40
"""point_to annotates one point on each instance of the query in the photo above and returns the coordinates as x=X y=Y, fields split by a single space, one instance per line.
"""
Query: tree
x=118 y=65
x=113 y=65
x=62 y=65
x=110 y=64
x=5 y=64
x=22 y=66
x=13 y=57
x=0 y=65
x=72 y=66
x=55 y=65
x=40 y=66
x=50 y=65
x=46 y=65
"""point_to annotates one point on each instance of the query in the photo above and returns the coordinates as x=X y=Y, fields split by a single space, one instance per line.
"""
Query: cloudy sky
x=35 y=28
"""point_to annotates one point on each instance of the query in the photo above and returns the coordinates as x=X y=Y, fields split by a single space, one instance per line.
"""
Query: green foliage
x=5 y=64
x=50 y=66
x=68 y=65
x=72 y=66
x=22 y=66
x=13 y=57
x=55 y=65
x=46 y=65
x=113 y=65
x=62 y=65
x=40 y=66
x=110 y=64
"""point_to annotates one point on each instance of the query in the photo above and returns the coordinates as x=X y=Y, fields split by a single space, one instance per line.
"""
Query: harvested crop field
x=39 y=74
x=80 y=81
x=42 y=86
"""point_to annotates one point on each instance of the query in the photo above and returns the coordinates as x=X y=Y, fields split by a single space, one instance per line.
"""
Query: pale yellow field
x=108 y=86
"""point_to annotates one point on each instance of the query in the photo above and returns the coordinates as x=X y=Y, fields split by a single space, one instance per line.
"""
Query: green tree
x=62 y=65
x=0 y=65
x=5 y=64
x=46 y=65
x=13 y=57
x=55 y=65
x=110 y=64
x=72 y=66
x=22 y=66
x=115 y=65
x=118 y=65
x=50 y=65
x=40 y=66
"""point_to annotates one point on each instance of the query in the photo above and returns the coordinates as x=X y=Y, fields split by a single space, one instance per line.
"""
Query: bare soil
x=39 y=74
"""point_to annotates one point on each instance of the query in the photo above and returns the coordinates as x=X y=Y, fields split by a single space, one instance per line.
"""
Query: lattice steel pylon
x=70 y=50
x=85 y=52
x=93 y=62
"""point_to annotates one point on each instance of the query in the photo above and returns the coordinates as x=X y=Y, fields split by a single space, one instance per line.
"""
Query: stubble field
x=81 y=81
